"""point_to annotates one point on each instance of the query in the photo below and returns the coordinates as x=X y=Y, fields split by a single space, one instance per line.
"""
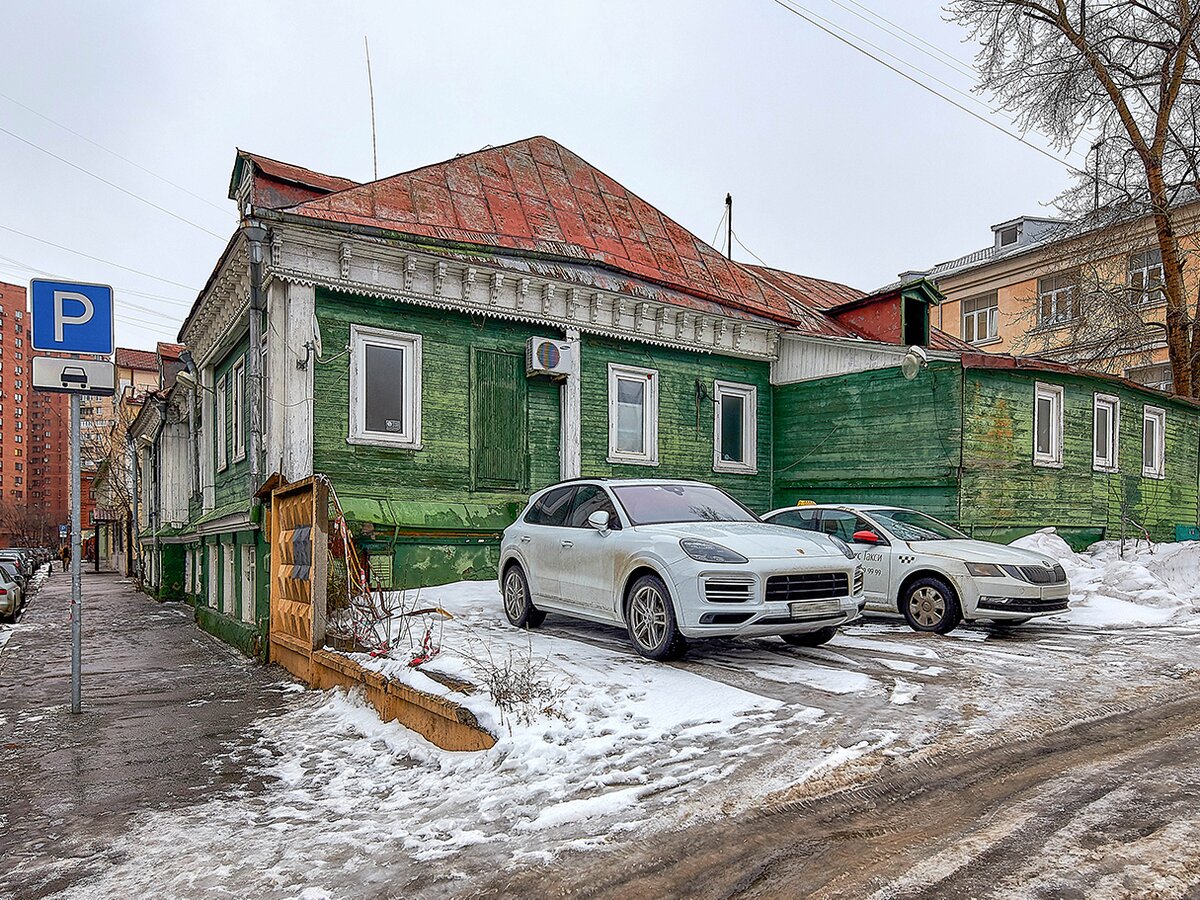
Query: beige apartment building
x=1024 y=293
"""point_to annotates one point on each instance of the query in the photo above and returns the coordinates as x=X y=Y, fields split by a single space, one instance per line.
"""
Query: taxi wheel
x=930 y=605
x=517 y=606
x=650 y=617
x=811 y=638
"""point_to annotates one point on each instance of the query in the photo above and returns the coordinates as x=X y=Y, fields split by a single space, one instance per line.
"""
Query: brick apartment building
x=34 y=437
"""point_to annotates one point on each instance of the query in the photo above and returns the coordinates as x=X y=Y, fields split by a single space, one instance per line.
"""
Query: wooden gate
x=299 y=530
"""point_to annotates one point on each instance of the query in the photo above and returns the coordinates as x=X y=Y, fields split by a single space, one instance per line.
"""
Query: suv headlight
x=985 y=570
x=707 y=551
x=842 y=545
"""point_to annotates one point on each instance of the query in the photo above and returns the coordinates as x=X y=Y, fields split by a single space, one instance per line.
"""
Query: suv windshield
x=910 y=525
x=656 y=504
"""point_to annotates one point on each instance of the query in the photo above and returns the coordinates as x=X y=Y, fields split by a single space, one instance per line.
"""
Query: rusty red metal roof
x=276 y=184
x=536 y=196
x=169 y=351
x=143 y=360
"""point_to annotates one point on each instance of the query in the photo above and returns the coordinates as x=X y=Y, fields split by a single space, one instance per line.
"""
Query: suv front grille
x=808 y=586
x=729 y=590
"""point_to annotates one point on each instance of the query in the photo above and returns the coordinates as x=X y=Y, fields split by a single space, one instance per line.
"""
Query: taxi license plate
x=815 y=608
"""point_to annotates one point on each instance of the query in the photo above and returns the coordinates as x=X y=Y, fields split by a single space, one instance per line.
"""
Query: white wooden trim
x=238 y=403
x=649 y=377
x=571 y=446
x=1053 y=459
x=1113 y=402
x=1158 y=415
x=749 y=393
x=221 y=424
x=360 y=337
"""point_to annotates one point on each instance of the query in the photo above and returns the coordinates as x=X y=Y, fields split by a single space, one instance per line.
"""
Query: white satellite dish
x=914 y=361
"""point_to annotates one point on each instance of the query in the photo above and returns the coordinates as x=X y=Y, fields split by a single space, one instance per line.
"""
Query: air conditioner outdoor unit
x=546 y=356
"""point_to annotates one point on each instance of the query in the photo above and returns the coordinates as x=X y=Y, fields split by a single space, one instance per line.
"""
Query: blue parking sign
x=71 y=317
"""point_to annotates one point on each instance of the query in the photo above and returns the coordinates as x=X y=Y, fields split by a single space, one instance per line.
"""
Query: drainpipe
x=255 y=235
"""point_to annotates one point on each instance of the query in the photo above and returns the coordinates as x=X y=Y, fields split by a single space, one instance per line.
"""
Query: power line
x=124 y=290
x=98 y=259
x=111 y=184
x=941 y=56
x=747 y=249
x=803 y=14
x=125 y=159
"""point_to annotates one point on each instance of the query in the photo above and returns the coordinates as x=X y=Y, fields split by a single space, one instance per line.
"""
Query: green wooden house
x=442 y=342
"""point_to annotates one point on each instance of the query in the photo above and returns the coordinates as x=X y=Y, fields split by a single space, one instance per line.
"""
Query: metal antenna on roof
x=371 y=90
x=729 y=226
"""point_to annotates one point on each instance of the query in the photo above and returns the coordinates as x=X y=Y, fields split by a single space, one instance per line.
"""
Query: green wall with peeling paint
x=871 y=437
x=959 y=445
x=1004 y=494
x=419 y=507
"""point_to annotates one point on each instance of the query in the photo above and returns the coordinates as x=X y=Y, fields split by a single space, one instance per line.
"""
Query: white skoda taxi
x=671 y=560
x=933 y=574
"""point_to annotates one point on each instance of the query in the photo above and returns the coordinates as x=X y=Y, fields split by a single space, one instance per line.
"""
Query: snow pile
x=1147 y=585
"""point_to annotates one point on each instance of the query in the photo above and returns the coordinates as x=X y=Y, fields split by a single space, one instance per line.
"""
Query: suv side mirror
x=866 y=537
x=599 y=520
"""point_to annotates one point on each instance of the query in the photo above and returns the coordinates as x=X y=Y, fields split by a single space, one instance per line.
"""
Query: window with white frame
x=1056 y=298
x=980 y=319
x=1146 y=277
x=248 y=600
x=735 y=427
x=1047 y=425
x=220 y=434
x=385 y=387
x=1106 y=432
x=632 y=415
x=228 y=585
x=211 y=595
x=238 y=412
x=1154 y=429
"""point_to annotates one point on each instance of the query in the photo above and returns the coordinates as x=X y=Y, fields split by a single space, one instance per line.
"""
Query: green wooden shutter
x=498 y=449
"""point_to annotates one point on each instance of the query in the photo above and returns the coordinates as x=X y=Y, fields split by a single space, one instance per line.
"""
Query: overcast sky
x=839 y=168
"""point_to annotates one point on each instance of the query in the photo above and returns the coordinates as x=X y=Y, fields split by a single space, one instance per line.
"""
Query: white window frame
x=220 y=428
x=989 y=315
x=1158 y=416
x=1152 y=276
x=1053 y=459
x=749 y=395
x=649 y=378
x=247 y=586
x=238 y=412
x=228 y=588
x=360 y=337
x=1111 y=463
x=1059 y=290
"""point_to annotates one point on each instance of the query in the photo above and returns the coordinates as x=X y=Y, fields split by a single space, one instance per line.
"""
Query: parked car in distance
x=12 y=594
x=19 y=559
x=672 y=560
x=933 y=574
x=11 y=570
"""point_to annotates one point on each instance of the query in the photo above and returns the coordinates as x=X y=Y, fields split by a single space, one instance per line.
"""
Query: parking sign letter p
x=61 y=319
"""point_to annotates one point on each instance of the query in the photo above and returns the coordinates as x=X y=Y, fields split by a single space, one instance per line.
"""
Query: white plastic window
x=632 y=415
x=1154 y=428
x=735 y=427
x=1048 y=425
x=385 y=387
x=1106 y=428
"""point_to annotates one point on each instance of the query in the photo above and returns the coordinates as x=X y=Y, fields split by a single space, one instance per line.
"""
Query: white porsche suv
x=671 y=560
x=932 y=573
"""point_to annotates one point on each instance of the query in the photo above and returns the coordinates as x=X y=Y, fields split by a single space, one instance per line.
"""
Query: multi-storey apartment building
x=1024 y=293
x=34 y=436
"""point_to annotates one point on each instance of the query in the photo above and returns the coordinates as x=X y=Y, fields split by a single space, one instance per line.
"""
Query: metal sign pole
x=76 y=565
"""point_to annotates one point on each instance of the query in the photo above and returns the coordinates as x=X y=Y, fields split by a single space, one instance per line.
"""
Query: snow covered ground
x=337 y=803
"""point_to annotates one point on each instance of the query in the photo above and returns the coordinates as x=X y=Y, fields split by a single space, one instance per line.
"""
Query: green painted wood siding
x=1005 y=494
x=871 y=437
x=231 y=483
x=685 y=424
x=430 y=487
